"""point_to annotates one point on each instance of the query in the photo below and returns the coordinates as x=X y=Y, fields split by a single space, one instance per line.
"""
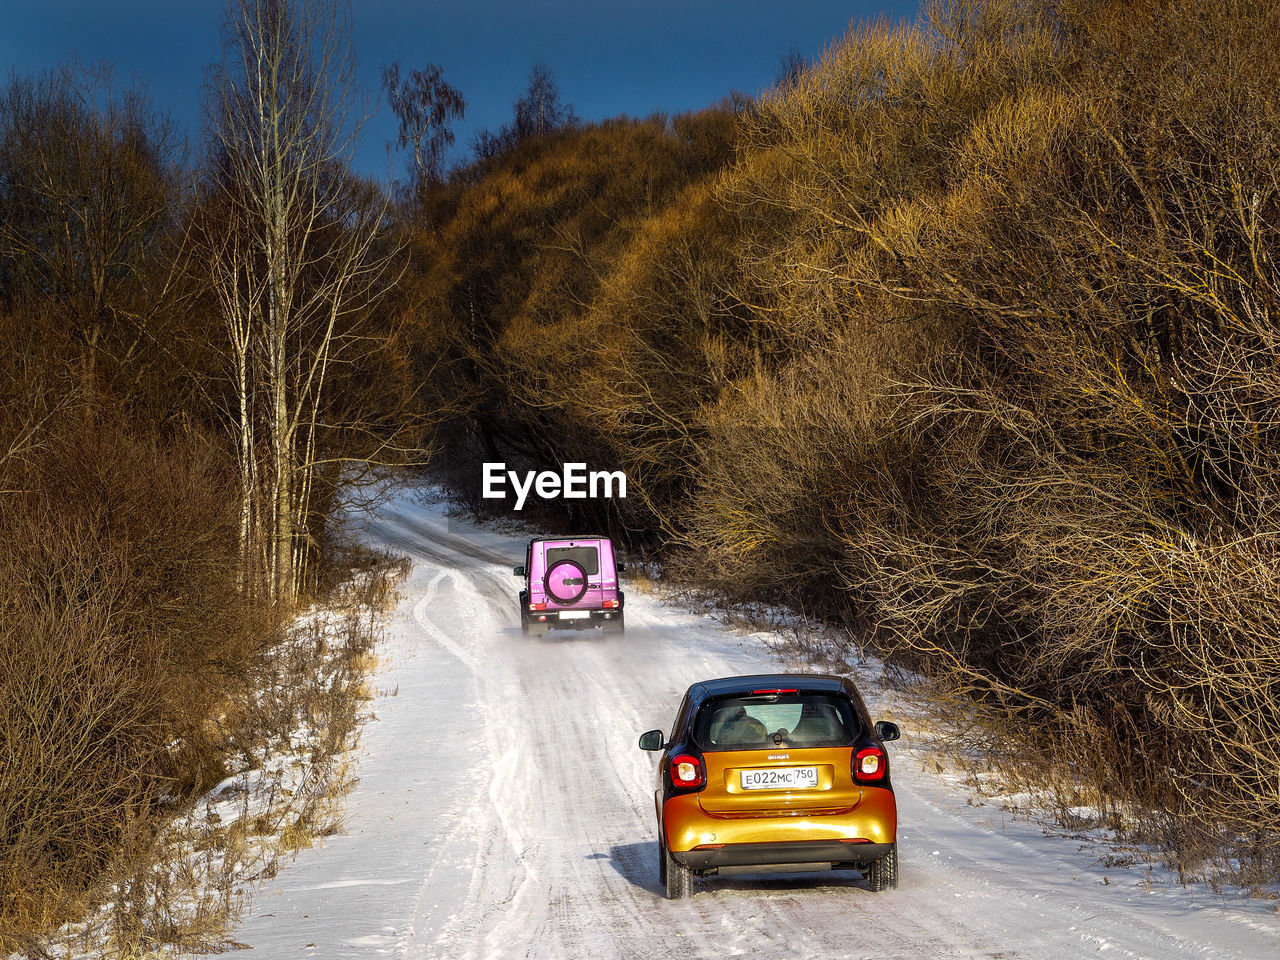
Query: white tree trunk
x=304 y=256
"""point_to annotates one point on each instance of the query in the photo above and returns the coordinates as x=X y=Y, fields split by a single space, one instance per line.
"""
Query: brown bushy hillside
x=973 y=345
x=514 y=264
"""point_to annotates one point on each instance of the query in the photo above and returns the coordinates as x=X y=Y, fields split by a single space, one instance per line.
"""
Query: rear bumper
x=771 y=854
x=702 y=841
x=598 y=616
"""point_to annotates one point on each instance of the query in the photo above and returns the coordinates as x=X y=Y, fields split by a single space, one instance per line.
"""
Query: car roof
x=724 y=686
x=569 y=539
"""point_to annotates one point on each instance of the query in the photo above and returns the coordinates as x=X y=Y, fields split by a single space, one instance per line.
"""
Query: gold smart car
x=775 y=770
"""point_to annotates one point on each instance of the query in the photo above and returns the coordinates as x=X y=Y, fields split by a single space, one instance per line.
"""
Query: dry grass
x=133 y=677
x=111 y=665
x=181 y=883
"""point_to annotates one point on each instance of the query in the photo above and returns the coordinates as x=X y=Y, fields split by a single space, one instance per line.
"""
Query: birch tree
x=424 y=104
x=295 y=256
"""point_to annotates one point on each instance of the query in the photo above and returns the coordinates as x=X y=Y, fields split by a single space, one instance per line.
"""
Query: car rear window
x=588 y=558
x=788 y=719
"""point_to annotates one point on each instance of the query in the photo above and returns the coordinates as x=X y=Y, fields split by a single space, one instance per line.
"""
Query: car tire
x=524 y=625
x=677 y=879
x=882 y=874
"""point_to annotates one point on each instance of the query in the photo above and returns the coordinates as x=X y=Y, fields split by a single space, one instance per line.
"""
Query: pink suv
x=570 y=582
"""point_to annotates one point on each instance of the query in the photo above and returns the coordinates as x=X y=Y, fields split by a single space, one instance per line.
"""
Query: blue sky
x=609 y=58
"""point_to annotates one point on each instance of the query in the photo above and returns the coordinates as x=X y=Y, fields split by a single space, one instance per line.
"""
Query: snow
x=504 y=810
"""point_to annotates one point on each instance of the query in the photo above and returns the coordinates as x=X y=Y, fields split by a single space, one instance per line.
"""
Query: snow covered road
x=504 y=811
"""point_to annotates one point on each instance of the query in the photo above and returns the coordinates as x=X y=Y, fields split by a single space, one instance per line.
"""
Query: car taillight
x=537 y=606
x=610 y=604
x=869 y=764
x=686 y=771
x=754 y=692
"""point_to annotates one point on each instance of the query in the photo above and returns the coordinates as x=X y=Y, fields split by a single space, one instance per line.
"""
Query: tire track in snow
x=481 y=837
x=538 y=839
x=429 y=627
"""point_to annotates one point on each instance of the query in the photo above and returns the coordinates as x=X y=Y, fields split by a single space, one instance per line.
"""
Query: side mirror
x=651 y=740
x=518 y=571
x=886 y=730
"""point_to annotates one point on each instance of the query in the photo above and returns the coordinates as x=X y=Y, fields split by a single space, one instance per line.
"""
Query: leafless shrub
x=176 y=881
x=112 y=669
x=1055 y=490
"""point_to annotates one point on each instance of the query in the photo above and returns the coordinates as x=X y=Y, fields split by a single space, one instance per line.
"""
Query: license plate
x=780 y=778
x=575 y=614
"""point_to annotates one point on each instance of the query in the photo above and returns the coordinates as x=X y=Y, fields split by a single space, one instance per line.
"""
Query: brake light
x=537 y=606
x=869 y=764
x=754 y=692
x=610 y=604
x=686 y=771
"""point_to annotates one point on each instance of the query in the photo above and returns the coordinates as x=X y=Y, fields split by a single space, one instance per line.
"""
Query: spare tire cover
x=566 y=581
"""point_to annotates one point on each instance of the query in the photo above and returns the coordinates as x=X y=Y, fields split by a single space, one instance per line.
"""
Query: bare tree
x=791 y=67
x=86 y=184
x=295 y=256
x=537 y=113
x=540 y=111
x=424 y=104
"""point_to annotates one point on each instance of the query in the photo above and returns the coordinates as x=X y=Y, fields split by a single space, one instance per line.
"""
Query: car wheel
x=524 y=625
x=677 y=879
x=882 y=874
